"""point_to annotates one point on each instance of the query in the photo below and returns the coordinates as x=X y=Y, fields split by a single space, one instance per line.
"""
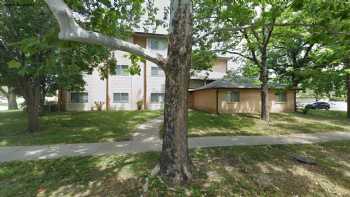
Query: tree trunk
x=175 y=162
x=265 y=114
x=12 y=99
x=32 y=98
x=107 y=92
x=42 y=101
x=295 y=87
x=348 y=94
x=61 y=100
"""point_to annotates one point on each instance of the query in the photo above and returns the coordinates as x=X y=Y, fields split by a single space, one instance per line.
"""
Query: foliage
x=202 y=59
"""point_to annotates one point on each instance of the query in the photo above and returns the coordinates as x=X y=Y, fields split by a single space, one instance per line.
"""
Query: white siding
x=133 y=85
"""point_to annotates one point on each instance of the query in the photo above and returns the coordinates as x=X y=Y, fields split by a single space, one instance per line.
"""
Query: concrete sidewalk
x=146 y=138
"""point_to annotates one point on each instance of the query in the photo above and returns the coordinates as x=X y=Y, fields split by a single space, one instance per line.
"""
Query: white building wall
x=156 y=84
x=133 y=85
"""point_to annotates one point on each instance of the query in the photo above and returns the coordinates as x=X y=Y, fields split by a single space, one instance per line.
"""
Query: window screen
x=156 y=71
x=232 y=96
x=122 y=70
x=157 y=97
x=281 y=97
x=120 y=98
x=79 y=97
x=157 y=44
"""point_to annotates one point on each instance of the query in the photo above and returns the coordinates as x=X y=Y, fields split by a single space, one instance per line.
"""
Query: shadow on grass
x=72 y=127
x=201 y=123
x=267 y=171
x=244 y=171
x=79 y=176
x=205 y=124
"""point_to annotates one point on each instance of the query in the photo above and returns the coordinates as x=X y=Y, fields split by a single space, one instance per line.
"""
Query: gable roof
x=237 y=84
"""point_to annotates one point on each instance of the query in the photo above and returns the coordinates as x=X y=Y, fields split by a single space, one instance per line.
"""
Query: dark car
x=318 y=105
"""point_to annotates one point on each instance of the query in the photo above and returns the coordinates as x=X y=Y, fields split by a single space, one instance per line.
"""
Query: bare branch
x=71 y=30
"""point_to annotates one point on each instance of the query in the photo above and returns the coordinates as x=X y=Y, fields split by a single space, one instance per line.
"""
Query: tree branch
x=252 y=51
x=236 y=53
x=71 y=30
x=269 y=34
x=308 y=51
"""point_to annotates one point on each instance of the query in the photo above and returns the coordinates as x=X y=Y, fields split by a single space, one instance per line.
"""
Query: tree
x=23 y=49
x=225 y=25
x=105 y=69
x=333 y=25
x=291 y=51
x=175 y=161
x=34 y=61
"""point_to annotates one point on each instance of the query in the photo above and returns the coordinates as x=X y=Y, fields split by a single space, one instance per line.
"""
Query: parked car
x=318 y=105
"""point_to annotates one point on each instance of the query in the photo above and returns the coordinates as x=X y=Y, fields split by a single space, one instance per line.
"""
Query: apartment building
x=126 y=90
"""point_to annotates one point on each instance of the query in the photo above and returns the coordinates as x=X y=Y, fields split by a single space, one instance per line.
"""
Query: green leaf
x=13 y=64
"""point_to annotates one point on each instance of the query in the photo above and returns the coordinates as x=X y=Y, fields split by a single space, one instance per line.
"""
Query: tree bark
x=61 y=100
x=175 y=162
x=265 y=114
x=42 y=101
x=12 y=99
x=32 y=98
x=107 y=92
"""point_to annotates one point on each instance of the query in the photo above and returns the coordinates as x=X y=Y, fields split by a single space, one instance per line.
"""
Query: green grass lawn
x=72 y=127
x=205 y=124
x=236 y=171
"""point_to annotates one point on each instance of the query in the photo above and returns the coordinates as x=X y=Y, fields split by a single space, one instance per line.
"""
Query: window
x=121 y=98
x=281 y=97
x=156 y=71
x=232 y=96
x=157 y=97
x=156 y=44
x=122 y=70
x=79 y=97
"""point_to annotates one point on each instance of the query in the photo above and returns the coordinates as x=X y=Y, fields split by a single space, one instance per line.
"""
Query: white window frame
x=160 y=98
x=159 y=71
x=121 y=97
x=83 y=97
x=122 y=70
x=159 y=47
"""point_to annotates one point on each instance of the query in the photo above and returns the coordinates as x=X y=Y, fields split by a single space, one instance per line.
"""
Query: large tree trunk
x=32 y=98
x=175 y=162
x=12 y=99
x=265 y=114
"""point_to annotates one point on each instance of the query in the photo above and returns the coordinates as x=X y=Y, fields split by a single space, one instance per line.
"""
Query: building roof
x=151 y=34
x=237 y=84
